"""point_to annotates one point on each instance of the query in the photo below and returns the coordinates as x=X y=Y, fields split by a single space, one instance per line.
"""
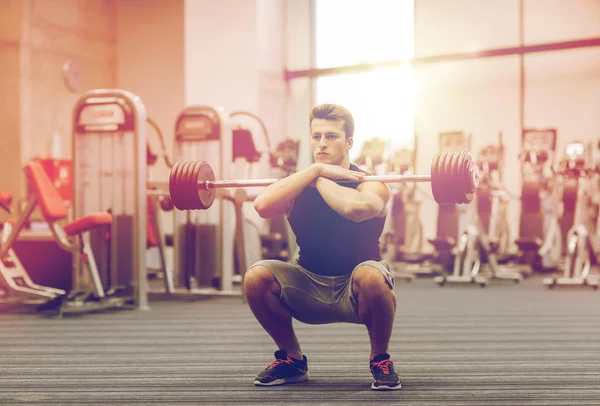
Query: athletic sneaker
x=384 y=375
x=283 y=370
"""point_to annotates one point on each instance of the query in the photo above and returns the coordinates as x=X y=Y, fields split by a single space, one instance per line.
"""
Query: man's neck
x=345 y=163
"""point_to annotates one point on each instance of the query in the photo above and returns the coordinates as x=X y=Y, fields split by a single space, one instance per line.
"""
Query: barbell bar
x=218 y=184
x=454 y=179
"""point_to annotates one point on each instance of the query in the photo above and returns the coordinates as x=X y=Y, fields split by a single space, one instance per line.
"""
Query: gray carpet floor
x=456 y=345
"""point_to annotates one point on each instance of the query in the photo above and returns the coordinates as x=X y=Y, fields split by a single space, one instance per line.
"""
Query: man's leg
x=376 y=306
x=376 y=309
x=263 y=292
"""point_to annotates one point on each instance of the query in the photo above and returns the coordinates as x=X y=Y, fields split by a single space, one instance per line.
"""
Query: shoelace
x=278 y=361
x=384 y=365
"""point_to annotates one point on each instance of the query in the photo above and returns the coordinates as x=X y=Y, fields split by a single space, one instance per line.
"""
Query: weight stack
x=197 y=255
x=124 y=276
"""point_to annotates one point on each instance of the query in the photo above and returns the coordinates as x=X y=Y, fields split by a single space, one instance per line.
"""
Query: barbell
x=454 y=179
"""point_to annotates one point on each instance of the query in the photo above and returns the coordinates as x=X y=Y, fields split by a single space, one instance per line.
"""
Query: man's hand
x=337 y=172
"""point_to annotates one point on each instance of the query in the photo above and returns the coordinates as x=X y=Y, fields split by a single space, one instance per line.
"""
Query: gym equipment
x=408 y=229
x=156 y=263
x=5 y=201
x=492 y=198
x=371 y=155
x=454 y=179
x=278 y=242
x=467 y=262
x=479 y=250
x=204 y=241
x=540 y=236
x=156 y=239
x=152 y=157
x=16 y=285
x=60 y=173
x=109 y=174
x=580 y=251
x=254 y=157
x=403 y=244
x=490 y=218
x=285 y=156
x=451 y=219
x=72 y=237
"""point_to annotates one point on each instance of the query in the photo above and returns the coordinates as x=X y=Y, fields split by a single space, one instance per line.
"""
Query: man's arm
x=360 y=204
x=277 y=197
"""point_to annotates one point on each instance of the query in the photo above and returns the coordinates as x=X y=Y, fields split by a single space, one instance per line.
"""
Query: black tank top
x=330 y=244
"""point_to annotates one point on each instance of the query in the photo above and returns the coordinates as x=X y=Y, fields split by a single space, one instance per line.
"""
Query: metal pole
x=433 y=59
x=218 y=184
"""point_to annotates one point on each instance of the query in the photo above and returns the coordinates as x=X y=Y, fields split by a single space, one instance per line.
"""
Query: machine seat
x=87 y=223
x=5 y=200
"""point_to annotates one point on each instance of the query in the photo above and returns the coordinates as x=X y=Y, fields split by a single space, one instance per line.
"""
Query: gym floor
x=457 y=345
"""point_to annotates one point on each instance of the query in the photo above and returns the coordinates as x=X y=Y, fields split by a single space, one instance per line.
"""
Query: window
x=349 y=32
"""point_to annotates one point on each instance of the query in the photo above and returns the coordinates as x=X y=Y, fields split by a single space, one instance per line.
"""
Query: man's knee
x=369 y=282
x=259 y=280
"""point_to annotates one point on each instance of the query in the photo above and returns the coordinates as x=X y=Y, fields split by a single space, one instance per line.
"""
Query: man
x=338 y=276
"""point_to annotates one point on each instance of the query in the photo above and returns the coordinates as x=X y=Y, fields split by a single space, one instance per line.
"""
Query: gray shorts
x=317 y=299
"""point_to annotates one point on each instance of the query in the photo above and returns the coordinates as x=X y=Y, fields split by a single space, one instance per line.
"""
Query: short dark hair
x=334 y=112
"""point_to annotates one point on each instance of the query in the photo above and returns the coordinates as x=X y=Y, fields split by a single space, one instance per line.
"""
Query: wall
x=221 y=58
x=299 y=55
x=234 y=58
x=10 y=96
x=38 y=36
x=150 y=63
x=272 y=88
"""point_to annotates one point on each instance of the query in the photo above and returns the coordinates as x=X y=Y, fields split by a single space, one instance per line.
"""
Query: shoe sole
x=295 y=379
x=385 y=387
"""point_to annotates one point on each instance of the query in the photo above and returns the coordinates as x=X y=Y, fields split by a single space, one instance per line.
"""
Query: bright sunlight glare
x=350 y=32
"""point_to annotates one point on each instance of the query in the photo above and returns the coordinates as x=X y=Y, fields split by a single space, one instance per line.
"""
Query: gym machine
x=204 y=241
x=109 y=174
x=475 y=250
x=455 y=239
x=492 y=198
x=582 y=248
x=16 y=285
x=403 y=243
x=540 y=236
x=489 y=220
x=278 y=241
x=156 y=203
x=371 y=155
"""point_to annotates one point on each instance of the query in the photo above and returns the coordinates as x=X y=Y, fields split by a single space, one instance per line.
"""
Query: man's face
x=328 y=141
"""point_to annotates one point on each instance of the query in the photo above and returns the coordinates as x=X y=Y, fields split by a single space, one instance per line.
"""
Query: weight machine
x=456 y=240
x=540 y=236
x=109 y=174
x=490 y=217
x=582 y=248
x=403 y=242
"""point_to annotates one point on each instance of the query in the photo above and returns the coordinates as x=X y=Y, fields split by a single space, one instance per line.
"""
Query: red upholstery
x=51 y=204
x=88 y=222
x=12 y=222
x=5 y=199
